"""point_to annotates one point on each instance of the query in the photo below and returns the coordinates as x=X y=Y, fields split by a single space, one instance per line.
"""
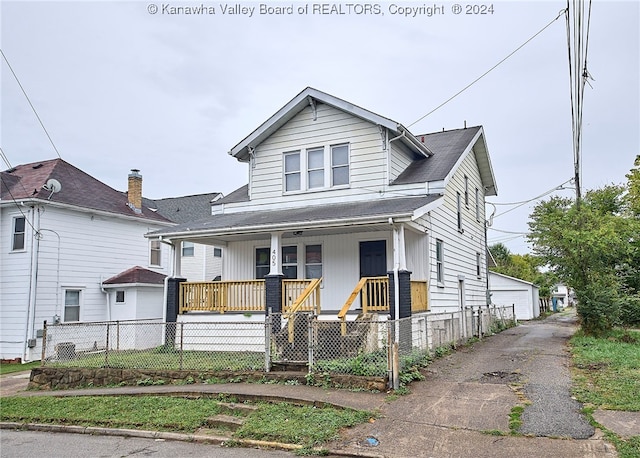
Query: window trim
x=466 y=191
x=78 y=306
x=459 y=211
x=155 y=246
x=124 y=296
x=477 y=204
x=328 y=168
x=308 y=264
x=14 y=233
x=440 y=262
x=191 y=247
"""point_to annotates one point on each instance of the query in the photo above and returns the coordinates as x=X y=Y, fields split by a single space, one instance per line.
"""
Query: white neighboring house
x=507 y=291
x=199 y=262
x=339 y=192
x=561 y=297
x=63 y=233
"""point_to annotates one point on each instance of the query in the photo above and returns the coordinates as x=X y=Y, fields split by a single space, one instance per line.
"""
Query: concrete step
x=225 y=422
x=231 y=407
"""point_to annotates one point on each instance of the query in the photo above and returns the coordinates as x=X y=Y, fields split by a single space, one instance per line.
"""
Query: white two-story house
x=72 y=249
x=339 y=193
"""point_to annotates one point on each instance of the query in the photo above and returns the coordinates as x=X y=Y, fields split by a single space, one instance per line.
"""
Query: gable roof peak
x=309 y=96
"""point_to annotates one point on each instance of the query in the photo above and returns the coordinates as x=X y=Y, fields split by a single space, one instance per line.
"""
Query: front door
x=373 y=258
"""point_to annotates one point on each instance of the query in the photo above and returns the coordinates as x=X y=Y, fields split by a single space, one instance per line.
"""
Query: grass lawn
x=161 y=358
x=306 y=426
x=606 y=375
x=13 y=367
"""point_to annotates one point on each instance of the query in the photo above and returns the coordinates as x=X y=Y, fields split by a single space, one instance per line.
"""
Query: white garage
x=506 y=291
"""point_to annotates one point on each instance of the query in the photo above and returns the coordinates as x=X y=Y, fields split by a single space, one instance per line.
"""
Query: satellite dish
x=53 y=185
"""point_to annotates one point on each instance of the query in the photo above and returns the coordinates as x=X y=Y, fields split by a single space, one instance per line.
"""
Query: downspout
x=107 y=299
x=33 y=278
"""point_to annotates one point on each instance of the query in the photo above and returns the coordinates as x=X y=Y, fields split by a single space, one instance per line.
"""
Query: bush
x=630 y=311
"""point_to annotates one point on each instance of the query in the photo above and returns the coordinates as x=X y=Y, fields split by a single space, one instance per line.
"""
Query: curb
x=166 y=435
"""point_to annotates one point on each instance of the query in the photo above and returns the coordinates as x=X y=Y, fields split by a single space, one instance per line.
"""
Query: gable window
x=466 y=191
x=440 y=262
x=188 y=249
x=292 y=171
x=155 y=255
x=72 y=305
x=339 y=165
x=315 y=168
x=120 y=297
x=319 y=167
x=478 y=261
x=459 y=209
x=217 y=252
x=19 y=226
x=313 y=261
x=477 y=204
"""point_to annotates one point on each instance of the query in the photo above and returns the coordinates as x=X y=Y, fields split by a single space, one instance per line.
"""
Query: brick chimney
x=134 y=192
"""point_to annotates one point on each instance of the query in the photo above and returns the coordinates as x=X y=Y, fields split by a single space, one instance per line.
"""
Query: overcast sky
x=122 y=85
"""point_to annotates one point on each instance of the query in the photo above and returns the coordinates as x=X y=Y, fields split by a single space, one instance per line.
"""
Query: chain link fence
x=360 y=347
x=219 y=346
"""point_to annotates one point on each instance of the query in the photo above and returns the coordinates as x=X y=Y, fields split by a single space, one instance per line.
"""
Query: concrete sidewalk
x=460 y=410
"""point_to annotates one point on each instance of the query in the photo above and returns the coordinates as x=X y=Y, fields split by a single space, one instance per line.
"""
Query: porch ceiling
x=311 y=220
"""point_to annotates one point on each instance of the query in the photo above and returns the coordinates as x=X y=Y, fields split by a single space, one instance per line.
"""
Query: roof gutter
x=414 y=141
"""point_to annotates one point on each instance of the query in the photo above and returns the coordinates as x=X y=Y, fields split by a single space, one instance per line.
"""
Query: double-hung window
x=339 y=165
x=18 y=240
x=155 y=255
x=459 y=214
x=313 y=261
x=315 y=168
x=292 y=180
x=72 y=305
x=318 y=167
x=477 y=204
x=478 y=261
x=188 y=249
x=440 y=262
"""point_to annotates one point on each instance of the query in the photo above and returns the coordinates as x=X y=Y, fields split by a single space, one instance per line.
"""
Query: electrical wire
x=30 y=104
x=488 y=71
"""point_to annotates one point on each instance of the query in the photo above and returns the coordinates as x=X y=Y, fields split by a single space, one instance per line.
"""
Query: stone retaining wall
x=62 y=378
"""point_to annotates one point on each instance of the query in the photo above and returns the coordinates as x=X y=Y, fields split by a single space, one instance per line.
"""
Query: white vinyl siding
x=332 y=128
x=204 y=265
x=79 y=250
x=460 y=248
x=400 y=159
x=340 y=262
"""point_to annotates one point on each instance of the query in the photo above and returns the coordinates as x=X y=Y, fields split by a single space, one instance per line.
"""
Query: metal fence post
x=513 y=311
x=267 y=343
x=117 y=335
x=44 y=343
x=181 y=344
x=106 y=351
x=310 y=324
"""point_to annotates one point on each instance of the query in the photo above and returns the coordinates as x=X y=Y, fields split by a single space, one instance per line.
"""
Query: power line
x=488 y=71
x=557 y=188
x=30 y=104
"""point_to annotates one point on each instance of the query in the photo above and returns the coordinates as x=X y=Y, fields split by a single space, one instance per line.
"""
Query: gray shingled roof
x=298 y=217
x=183 y=209
x=136 y=274
x=447 y=148
x=79 y=189
x=239 y=195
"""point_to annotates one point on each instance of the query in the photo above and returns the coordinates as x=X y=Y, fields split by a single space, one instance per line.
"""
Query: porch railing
x=375 y=297
x=292 y=290
x=308 y=300
x=222 y=296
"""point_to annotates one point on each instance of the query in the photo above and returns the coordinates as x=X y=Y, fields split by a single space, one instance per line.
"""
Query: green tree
x=592 y=250
x=633 y=186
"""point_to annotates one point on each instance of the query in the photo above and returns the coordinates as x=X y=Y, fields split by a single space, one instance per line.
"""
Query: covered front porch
x=329 y=260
